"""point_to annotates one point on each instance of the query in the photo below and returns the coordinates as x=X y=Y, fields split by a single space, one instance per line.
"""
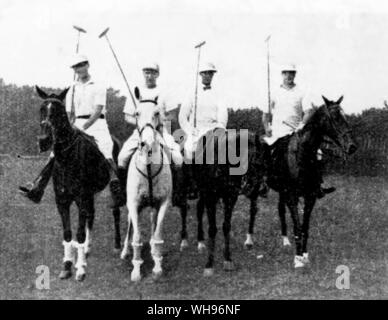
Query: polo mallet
x=268 y=81
x=80 y=30
x=104 y=34
x=198 y=46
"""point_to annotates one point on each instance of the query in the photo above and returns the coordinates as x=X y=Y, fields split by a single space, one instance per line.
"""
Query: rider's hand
x=299 y=127
x=268 y=132
x=194 y=131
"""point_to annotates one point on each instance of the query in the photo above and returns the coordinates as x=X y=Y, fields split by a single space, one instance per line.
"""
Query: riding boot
x=35 y=193
x=118 y=198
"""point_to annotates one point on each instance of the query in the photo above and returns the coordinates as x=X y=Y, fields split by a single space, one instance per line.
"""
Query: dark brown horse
x=79 y=172
x=219 y=177
x=294 y=172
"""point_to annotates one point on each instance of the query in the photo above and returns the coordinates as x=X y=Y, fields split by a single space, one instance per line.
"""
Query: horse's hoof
x=184 y=244
x=229 y=266
x=248 y=246
x=116 y=250
x=208 y=272
x=80 y=277
x=65 y=274
x=124 y=255
x=286 y=241
x=306 y=258
x=135 y=276
x=201 y=247
x=156 y=275
x=299 y=262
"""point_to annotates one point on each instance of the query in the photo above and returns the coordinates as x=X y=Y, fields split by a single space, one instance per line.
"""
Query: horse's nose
x=352 y=148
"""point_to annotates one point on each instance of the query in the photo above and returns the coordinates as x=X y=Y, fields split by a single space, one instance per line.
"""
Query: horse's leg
x=116 y=218
x=308 y=208
x=68 y=258
x=89 y=226
x=84 y=209
x=157 y=240
x=136 y=244
x=200 y=235
x=282 y=216
x=229 y=202
x=252 y=215
x=183 y=212
x=211 y=208
x=125 y=252
x=292 y=203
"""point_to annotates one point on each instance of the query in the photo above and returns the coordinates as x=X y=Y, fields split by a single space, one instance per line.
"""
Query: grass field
x=348 y=228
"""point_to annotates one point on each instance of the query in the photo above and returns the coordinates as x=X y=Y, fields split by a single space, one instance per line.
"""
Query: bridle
x=149 y=176
x=69 y=142
x=334 y=127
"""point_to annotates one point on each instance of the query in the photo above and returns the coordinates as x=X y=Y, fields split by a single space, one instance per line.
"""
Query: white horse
x=149 y=184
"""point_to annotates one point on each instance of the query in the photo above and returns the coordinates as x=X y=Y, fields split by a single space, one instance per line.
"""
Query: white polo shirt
x=87 y=96
x=289 y=106
x=211 y=111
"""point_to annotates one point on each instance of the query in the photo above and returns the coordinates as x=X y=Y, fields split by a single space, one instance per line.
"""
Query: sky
x=339 y=47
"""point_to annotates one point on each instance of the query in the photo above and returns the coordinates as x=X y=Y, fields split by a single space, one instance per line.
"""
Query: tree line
x=19 y=128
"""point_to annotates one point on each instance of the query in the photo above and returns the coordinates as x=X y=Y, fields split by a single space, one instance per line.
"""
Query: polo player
x=290 y=112
x=150 y=91
x=209 y=114
x=86 y=107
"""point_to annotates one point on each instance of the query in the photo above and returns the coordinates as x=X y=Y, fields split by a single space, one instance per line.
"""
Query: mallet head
x=200 y=44
x=103 y=33
x=79 y=29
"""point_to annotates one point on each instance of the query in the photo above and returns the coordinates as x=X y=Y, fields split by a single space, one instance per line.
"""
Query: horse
x=216 y=182
x=79 y=172
x=149 y=185
x=293 y=173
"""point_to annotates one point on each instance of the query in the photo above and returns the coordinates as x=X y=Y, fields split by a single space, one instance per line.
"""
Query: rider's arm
x=99 y=102
x=93 y=118
x=184 y=115
x=129 y=112
x=68 y=102
x=222 y=116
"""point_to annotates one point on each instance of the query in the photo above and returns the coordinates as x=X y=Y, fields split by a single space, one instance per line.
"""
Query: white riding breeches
x=132 y=144
x=99 y=130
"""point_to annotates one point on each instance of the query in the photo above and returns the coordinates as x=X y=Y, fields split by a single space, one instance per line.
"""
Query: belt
x=88 y=116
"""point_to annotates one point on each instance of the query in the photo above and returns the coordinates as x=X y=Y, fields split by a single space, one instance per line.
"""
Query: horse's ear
x=340 y=100
x=41 y=93
x=156 y=99
x=137 y=93
x=327 y=102
x=62 y=95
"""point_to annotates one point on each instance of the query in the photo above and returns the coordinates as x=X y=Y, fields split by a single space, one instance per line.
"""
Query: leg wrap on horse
x=81 y=259
x=137 y=251
x=68 y=251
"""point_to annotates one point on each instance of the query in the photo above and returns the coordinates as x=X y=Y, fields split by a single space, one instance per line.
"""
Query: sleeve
x=100 y=96
x=222 y=115
x=129 y=108
x=68 y=98
x=184 y=115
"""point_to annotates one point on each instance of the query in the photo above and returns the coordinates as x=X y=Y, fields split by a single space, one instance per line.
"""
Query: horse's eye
x=137 y=113
x=157 y=113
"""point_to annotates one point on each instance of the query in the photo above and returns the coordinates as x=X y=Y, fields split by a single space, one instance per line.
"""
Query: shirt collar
x=287 y=88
